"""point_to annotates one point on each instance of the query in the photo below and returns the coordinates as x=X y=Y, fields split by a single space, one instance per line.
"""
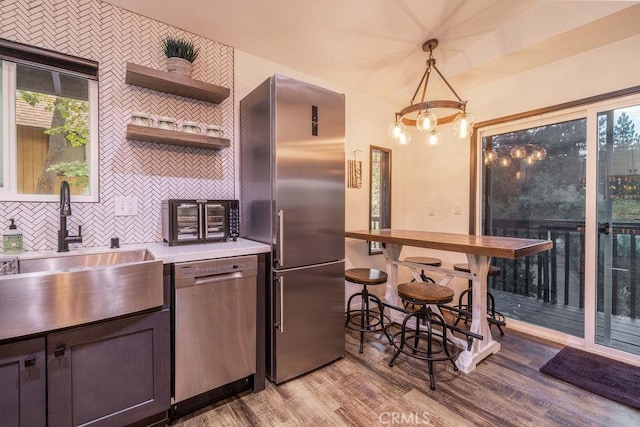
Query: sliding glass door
x=617 y=316
x=571 y=177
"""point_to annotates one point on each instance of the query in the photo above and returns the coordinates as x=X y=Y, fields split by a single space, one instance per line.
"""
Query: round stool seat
x=425 y=293
x=366 y=276
x=493 y=270
x=434 y=262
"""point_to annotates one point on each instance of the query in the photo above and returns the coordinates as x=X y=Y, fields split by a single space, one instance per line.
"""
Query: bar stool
x=424 y=260
x=366 y=320
x=494 y=317
x=437 y=347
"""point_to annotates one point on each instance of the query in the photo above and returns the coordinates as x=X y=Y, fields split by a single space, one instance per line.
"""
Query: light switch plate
x=126 y=206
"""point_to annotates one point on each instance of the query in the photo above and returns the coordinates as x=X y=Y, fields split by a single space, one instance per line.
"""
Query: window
x=49 y=120
x=380 y=196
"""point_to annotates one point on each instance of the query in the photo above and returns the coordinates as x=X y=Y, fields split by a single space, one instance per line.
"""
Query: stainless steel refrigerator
x=292 y=197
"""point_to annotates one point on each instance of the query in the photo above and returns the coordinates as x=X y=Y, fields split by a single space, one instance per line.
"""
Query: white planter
x=179 y=66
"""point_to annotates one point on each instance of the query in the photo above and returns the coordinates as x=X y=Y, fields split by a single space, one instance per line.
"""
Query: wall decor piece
x=355 y=172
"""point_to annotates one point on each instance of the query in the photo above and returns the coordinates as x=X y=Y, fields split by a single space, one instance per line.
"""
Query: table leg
x=392 y=254
x=479 y=266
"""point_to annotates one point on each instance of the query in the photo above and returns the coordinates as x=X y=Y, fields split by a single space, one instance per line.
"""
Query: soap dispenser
x=12 y=239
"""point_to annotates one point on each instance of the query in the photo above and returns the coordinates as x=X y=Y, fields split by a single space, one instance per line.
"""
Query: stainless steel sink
x=67 y=262
x=68 y=290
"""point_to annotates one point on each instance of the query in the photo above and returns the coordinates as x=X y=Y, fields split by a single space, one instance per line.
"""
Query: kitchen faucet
x=65 y=210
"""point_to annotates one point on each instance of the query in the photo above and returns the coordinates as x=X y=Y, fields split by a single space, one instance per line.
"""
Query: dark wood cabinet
x=23 y=383
x=110 y=373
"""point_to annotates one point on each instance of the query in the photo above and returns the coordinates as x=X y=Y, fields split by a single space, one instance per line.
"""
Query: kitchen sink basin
x=73 y=261
x=60 y=291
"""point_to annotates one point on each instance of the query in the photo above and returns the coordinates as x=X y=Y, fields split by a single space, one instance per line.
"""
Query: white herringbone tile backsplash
x=152 y=172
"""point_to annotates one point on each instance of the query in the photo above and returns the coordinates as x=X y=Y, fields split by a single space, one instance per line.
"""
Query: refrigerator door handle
x=280 y=326
x=280 y=259
x=202 y=225
x=281 y=304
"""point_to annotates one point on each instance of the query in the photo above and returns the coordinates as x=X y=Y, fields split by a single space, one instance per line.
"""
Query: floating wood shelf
x=174 y=137
x=174 y=83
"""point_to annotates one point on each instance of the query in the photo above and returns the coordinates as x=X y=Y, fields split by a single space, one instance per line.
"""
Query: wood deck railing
x=557 y=276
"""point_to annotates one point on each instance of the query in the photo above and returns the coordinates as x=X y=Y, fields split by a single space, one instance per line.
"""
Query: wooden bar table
x=479 y=251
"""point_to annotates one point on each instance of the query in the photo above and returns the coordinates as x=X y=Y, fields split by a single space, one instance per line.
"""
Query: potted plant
x=180 y=55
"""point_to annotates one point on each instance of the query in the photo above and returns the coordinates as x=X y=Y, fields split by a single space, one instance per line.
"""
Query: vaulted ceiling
x=374 y=46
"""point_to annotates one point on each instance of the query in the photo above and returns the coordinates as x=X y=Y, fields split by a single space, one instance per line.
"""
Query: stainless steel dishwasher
x=215 y=324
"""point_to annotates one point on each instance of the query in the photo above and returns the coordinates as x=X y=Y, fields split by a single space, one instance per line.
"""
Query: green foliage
x=75 y=126
x=32 y=98
x=624 y=131
x=179 y=48
x=76 y=169
x=75 y=129
x=73 y=111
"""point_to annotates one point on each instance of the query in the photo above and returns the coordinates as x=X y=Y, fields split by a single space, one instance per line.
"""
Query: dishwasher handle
x=203 y=280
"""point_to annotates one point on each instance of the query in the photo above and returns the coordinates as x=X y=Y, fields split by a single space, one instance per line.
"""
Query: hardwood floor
x=506 y=389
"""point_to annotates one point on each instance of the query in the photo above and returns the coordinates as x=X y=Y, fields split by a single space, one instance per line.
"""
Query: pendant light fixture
x=426 y=115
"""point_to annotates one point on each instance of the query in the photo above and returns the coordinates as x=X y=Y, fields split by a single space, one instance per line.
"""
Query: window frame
x=385 y=217
x=11 y=54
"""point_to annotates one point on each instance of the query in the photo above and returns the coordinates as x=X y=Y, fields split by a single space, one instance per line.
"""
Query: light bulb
x=396 y=129
x=504 y=161
x=540 y=153
x=463 y=125
x=426 y=121
x=518 y=152
x=433 y=138
x=403 y=139
x=530 y=160
x=491 y=155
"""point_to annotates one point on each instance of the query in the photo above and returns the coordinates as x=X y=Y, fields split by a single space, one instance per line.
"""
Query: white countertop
x=168 y=254
x=182 y=253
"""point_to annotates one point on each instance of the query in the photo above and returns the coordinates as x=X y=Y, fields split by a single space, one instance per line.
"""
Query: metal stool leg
x=364 y=310
x=492 y=311
x=403 y=331
x=381 y=309
x=349 y=308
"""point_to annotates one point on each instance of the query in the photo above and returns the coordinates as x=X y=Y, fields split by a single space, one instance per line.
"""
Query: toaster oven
x=187 y=221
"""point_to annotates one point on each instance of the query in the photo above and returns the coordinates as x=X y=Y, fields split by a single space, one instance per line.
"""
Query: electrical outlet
x=126 y=206
x=457 y=209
